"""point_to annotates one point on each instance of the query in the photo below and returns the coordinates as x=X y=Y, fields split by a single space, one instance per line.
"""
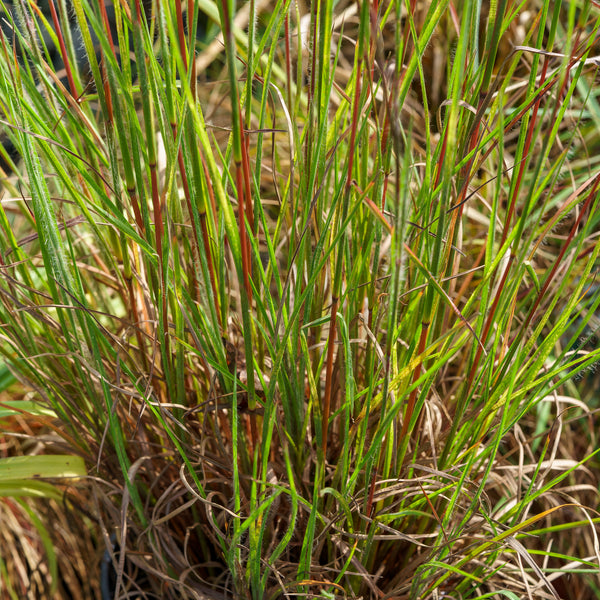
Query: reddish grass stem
x=63 y=50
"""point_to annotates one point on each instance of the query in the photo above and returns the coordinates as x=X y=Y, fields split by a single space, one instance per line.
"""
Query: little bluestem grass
x=310 y=315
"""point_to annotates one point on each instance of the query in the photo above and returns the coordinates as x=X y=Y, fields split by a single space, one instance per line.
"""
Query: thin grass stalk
x=337 y=284
x=528 y=126
x=63 y=49
x=192 y=31
x=157 y=204
x=201 y=214
x=119 y=128
x=226 y=10
x=198 y=221
x=403 y=89
x=242 y=175
x=182 y=37
x=247 y=122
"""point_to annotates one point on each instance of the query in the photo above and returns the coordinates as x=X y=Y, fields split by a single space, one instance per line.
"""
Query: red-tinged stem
x=192 y=45
x=138 y=11
x=585 y=252
x=455 y=18
x=526 y=148
x=107 y=26
x=434 y=511
x=136 y=209
x=247 y=190
x=245 y=210
x=158 y=210
x=107 y=92
x=136 y=323
x=211 y=191
x=63 y=50
x=243 y=233
x=241 y=172
x=375 y=8
x=181 y=33
x=466 y=171
x=410 y=407
x=516 y=119
x=246 y=268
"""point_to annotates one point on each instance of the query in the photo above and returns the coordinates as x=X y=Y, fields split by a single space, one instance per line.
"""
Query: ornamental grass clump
x=311 y=289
